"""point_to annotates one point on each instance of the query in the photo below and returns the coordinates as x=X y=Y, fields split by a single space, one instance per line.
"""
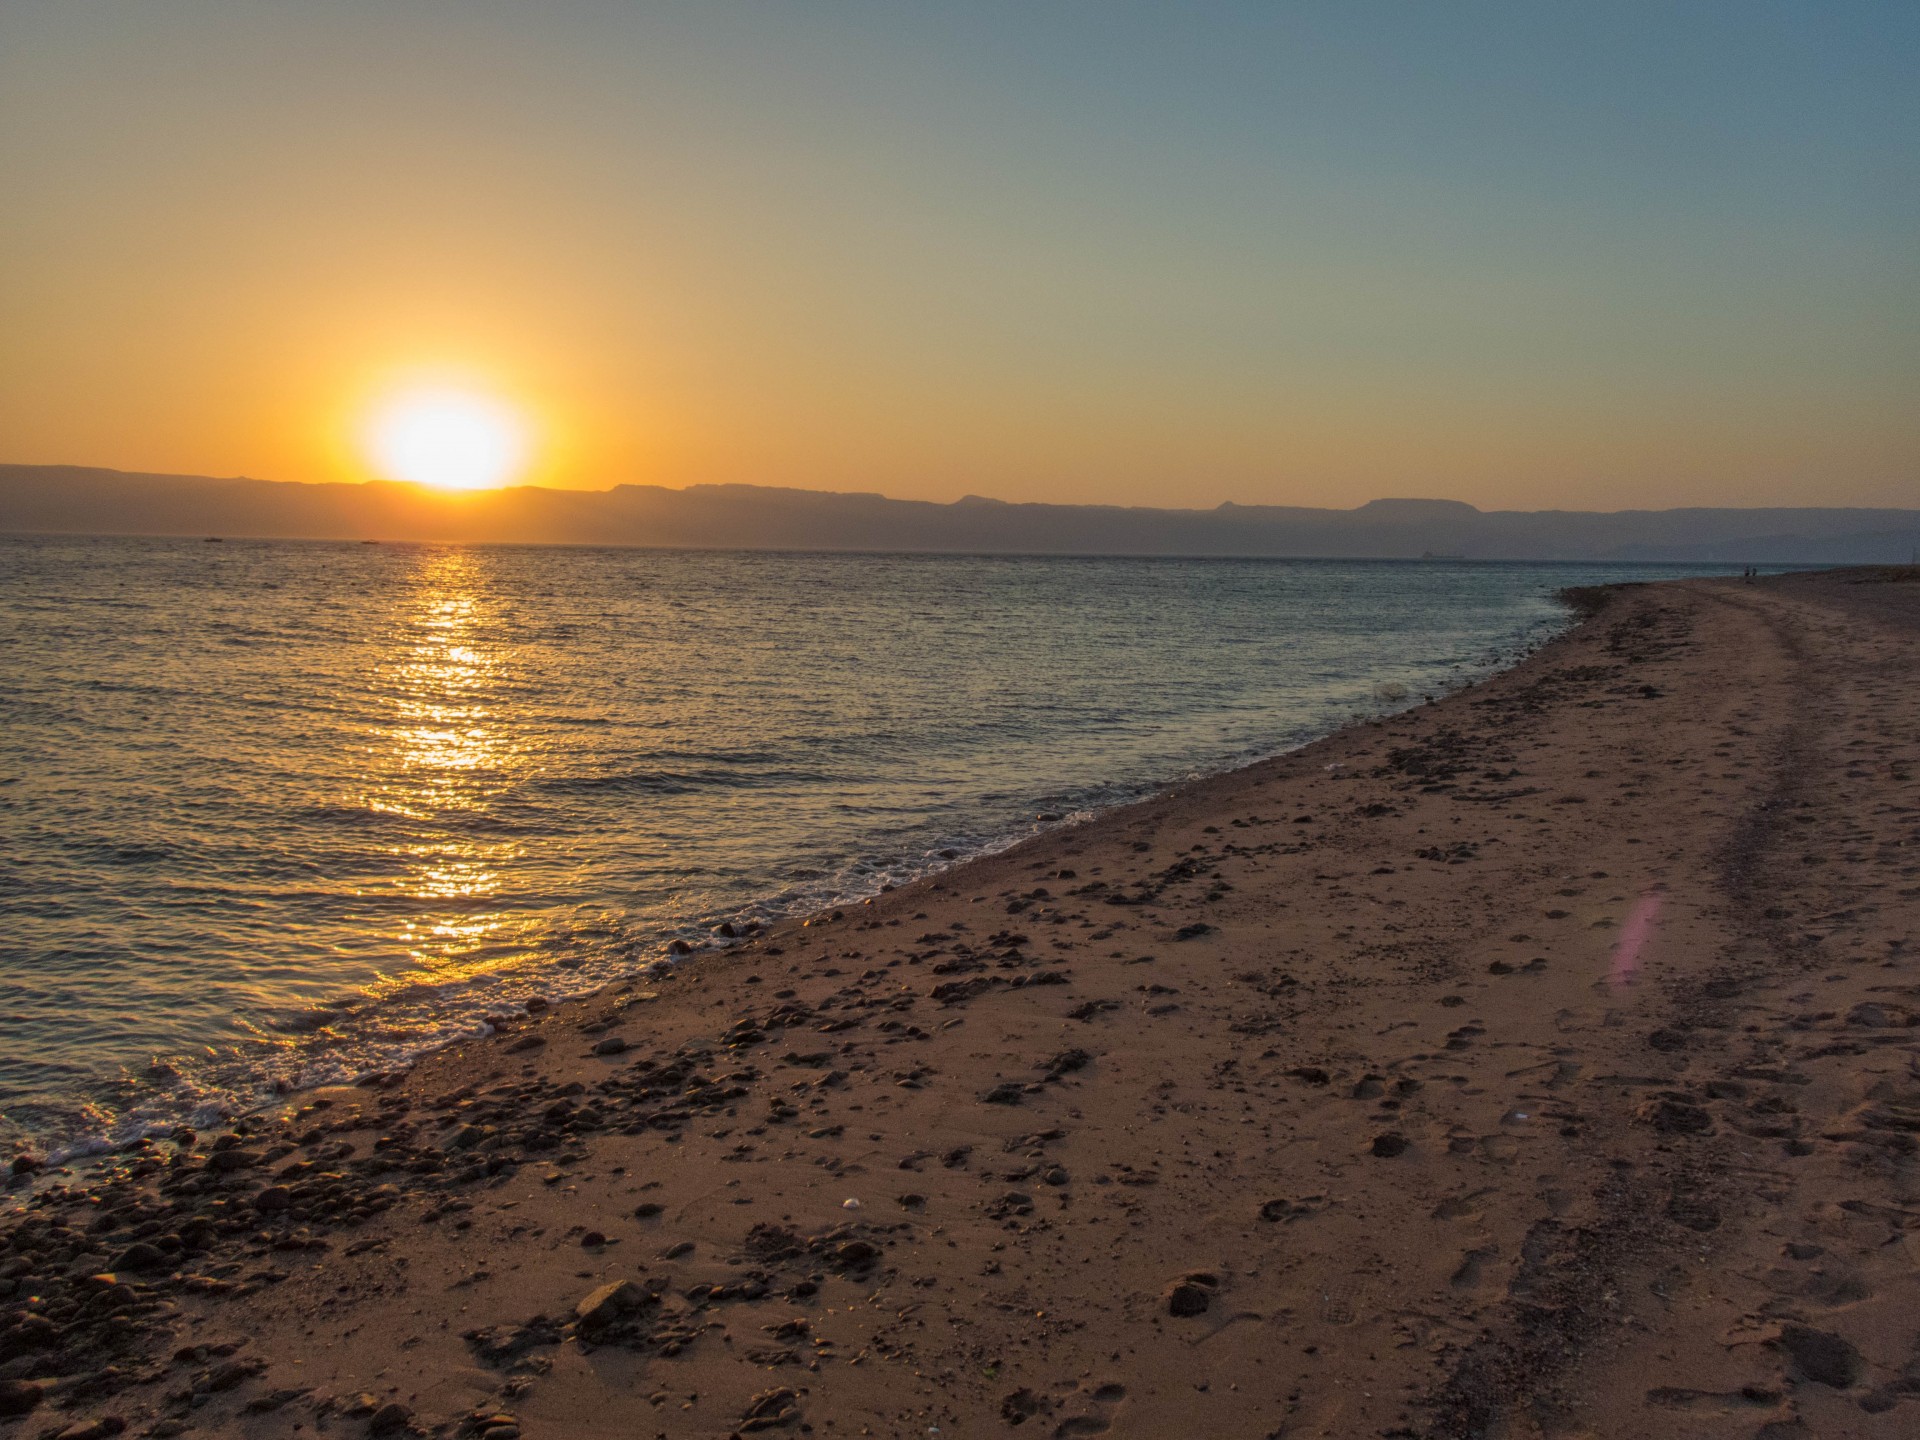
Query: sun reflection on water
x=441 y=757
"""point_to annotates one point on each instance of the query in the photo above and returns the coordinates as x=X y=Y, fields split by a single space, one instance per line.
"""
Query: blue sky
x=1519 y=254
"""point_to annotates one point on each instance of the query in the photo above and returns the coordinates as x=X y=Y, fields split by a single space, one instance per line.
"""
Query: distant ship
x=1435 y=555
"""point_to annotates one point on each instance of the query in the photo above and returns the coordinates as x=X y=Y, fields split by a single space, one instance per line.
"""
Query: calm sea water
x=274 y=814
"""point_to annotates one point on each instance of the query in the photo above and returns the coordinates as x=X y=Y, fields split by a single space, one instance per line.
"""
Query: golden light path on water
x=443 y=750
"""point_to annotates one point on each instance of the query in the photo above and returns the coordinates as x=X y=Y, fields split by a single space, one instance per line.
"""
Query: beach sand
x=1544 y=1061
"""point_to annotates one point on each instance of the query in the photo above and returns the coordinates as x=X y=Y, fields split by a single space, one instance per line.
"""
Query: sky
x=1528 y=255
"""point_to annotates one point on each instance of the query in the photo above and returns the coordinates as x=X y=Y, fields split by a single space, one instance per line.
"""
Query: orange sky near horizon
x=1523 y=260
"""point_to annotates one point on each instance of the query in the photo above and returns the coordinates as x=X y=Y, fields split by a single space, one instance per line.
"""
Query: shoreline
x=1450 y=1072
x=270 y=1095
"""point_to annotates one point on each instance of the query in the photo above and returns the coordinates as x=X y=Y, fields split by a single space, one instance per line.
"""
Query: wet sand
x=1541 y=1062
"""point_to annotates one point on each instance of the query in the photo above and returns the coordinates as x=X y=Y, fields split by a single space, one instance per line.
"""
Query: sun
x=450 y=439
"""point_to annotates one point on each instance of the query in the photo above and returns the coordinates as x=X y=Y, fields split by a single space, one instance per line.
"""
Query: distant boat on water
x=1436 y=555
x=214 y=540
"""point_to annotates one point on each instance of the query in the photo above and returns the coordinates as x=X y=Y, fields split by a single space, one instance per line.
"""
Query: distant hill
x=77 y=500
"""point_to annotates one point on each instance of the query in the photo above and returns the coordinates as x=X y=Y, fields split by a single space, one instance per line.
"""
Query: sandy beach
x=1544 y=1061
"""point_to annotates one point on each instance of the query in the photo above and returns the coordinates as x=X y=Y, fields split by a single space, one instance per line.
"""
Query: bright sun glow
x=447 y=438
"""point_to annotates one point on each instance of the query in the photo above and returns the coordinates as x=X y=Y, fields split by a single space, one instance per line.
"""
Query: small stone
x=1007 y=1093
x=390 y=1416
x=19 y=1397
x=1187 y=1299
x=230 y=1373
x=140 y=1256
x=230 y=1160
x=612 y=1045
x=1066 y=1062
x=100 y=1429
x=465 y=1138
x=648 y=1209
x=608 y=1304
x=855 y=1255
x=273 y=1199
x=1389 y=1145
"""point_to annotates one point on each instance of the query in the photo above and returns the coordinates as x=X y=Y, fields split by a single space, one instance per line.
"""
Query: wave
x=668 y=782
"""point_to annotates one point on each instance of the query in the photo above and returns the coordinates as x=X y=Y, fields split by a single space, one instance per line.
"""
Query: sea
x=278 y=814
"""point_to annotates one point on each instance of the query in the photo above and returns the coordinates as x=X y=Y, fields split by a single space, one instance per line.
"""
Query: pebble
x=390 y=1416
x=609 y=1303
x=18 y=1397
x=140 y=1256
x=1187 y=1299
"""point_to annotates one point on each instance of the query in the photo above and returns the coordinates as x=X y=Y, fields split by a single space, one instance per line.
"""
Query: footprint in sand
x=1472 y=1267
x=1461 y=1207
x=1340 y=1302
x=1097 y=1417
x=1715 y=1402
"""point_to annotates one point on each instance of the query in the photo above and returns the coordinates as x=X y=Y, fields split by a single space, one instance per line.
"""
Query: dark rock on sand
x=1275 y=1211
x=1014 y=1202
x=1007 y=1093
x=140 y=1257
x=1389 y=1145
x=18 y=1397
x=96 y=1429
x=855 y=1255
x=388 y=1418
x=608 y=1304
x=1066 y=1062
x=1187 y=1299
